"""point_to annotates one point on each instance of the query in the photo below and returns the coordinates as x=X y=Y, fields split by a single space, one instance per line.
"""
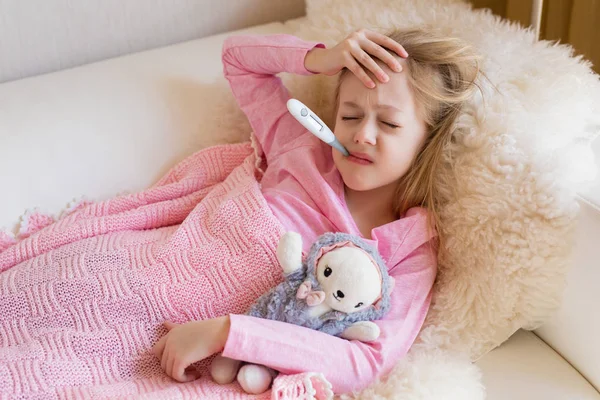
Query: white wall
x=39 y=36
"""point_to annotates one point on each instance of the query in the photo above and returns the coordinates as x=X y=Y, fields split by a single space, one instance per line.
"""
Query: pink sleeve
x=348 y=365
x=250 y=63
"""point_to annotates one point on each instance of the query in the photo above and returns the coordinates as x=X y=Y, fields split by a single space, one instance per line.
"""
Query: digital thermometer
x=310 y=121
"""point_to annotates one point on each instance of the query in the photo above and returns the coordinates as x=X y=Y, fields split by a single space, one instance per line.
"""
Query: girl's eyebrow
x=382 y=106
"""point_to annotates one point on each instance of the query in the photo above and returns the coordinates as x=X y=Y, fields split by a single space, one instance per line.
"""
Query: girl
x=396 y=103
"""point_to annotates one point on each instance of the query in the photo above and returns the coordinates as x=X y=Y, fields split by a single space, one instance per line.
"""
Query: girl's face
x=382 y=127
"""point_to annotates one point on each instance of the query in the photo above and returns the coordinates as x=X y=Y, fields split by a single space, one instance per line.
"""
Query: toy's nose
x=340 y=294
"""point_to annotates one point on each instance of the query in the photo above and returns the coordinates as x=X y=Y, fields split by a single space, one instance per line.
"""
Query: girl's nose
x=366 y=135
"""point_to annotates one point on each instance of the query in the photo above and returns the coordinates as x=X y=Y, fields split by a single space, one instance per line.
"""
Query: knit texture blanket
x=82 y=300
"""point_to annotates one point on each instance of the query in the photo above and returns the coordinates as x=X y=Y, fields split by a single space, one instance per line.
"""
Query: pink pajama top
x=306 y=193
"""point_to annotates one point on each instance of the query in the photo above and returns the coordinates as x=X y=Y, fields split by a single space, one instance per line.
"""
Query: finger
x=365 y=59
x=193 y=372
x=357 y=70
x=179 y=372
x=382 y=54
x=170 y=325
x=159 y=347
x=189 y=376
x=170 y=363
x=387 y=42
x=164 y=359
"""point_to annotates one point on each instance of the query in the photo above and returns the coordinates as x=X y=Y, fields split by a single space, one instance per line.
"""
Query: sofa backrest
x=44 y=36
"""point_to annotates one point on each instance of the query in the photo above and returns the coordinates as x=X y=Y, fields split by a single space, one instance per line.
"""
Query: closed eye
x=393 y=126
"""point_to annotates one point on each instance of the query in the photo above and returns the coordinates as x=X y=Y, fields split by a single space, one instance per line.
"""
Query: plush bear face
x=349 y=278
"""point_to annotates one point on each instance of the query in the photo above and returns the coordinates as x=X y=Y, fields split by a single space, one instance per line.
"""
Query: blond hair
x=441 y=73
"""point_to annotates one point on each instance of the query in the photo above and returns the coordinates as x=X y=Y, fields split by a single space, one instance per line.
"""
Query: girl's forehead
x=396 y=92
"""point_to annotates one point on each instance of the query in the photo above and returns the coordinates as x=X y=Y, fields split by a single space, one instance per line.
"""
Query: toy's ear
x=289 y=252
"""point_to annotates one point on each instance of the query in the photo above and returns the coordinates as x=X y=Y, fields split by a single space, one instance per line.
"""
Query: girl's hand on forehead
x=356 y=53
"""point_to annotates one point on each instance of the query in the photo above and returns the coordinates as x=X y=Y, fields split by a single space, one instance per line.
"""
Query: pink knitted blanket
x=82 y=299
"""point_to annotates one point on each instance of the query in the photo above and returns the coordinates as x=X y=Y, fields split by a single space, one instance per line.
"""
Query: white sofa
x=117 y=125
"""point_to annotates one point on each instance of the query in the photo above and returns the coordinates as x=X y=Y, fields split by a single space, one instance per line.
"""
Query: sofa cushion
x=526 y=368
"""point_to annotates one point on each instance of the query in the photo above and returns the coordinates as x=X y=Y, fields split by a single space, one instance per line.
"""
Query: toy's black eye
x=359 y=304
x=327 y=272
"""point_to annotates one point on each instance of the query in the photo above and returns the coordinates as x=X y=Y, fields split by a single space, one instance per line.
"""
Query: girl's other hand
x=354 y=53
x=188 y=343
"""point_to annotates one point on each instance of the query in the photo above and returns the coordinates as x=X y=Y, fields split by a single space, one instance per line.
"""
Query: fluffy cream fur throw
x=509 y=181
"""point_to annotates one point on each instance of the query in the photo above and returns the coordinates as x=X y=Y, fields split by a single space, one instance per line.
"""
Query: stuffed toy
x=341 y=286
